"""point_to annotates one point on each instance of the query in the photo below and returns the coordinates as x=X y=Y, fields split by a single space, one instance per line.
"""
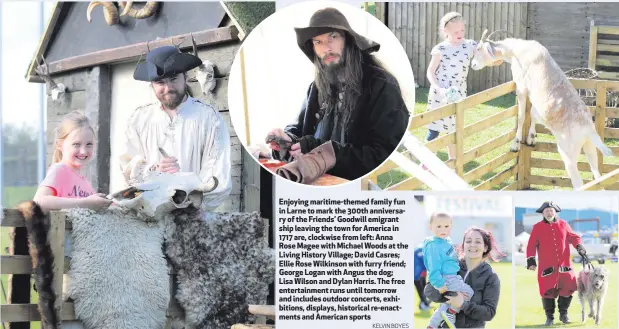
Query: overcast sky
x=568 y=200
x=21 y=33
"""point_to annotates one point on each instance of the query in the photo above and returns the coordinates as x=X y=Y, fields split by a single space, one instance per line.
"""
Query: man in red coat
x=551 y=239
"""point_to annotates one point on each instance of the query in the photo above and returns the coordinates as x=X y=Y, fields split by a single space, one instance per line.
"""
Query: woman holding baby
x=478 y=246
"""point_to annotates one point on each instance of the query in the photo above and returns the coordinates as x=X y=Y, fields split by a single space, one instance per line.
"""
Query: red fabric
x=551 y=242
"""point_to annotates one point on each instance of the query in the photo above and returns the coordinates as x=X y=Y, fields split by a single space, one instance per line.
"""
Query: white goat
x=555 y=102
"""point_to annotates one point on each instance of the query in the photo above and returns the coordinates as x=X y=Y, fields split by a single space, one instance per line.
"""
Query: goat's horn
x=483 y=36
x=209 y=186
x=126 y=5
x=148 y=10
x=110 y=13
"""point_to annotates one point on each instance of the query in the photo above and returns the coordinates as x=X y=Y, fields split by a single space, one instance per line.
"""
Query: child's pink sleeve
x=53 y=180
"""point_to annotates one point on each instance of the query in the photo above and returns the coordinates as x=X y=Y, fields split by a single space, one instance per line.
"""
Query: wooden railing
x=517 y=164
x=604 y=39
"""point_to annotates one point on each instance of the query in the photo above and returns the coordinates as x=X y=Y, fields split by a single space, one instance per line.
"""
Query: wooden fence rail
x=514 y=164
x=604 y=51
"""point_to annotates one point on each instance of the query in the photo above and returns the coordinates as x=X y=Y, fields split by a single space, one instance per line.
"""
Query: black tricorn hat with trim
x=327 y=20
x=165 y=62
x=548 y=204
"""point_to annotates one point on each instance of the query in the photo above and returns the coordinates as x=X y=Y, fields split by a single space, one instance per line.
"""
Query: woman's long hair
x=492 y=252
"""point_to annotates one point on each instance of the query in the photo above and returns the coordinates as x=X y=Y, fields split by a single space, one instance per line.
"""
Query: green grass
x=478 y=113
x=11 y=198
x=503 y=317
x=529 y=312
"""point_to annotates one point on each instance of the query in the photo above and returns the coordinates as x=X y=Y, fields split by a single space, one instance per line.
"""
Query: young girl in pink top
x=65 y=186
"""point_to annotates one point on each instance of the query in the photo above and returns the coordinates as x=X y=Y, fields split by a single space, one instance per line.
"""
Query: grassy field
x=478 y=113
x=13 y=196
x=529 y=312
x=503 y=317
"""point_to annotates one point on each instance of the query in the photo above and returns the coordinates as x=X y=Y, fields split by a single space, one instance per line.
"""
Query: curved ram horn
x=126 y=5
x=149 y=9
x=209 y=186
x=109 y=12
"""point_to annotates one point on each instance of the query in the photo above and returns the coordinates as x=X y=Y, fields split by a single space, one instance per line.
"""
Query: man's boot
x=564 y=304
x=549 y=308
x=308 y=167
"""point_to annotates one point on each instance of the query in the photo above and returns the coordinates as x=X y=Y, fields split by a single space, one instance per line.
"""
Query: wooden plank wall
x=416 y=26
x=564 y=29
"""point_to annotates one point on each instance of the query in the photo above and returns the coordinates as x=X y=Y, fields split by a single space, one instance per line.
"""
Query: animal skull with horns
x=163 y=192
x=110 y=12
x=205 y=75
x=54 y=89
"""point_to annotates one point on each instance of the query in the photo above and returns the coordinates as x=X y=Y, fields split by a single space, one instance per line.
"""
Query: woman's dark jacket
x=482 y=306
x=376 y=127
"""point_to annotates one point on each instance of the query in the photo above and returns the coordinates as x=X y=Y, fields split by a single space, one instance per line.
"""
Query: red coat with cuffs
x=551 y=242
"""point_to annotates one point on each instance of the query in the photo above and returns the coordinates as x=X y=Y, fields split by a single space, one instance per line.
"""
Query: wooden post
x=379 y=11
x=593 y=44
x=600 y=118
x=19 y=284
x=56 y=238
x=244 y=87
x=365 y=182
x=524 y=155
x=460 y=139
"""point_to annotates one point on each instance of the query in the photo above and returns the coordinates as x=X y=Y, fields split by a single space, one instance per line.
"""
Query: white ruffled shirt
x=197 y=136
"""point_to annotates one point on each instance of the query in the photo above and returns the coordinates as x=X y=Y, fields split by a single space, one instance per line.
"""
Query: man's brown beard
x=175 y=101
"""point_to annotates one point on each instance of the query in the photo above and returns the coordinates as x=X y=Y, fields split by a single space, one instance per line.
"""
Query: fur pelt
x=37 y=226
x=223 y=265
x=118 y=277
x=592 y=289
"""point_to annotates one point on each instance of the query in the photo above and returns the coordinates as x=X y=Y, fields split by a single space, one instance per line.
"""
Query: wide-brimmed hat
x=549 y=204
x=165 y=62
x=327 y=20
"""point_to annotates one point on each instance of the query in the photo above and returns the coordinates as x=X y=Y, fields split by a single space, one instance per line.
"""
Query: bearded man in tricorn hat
x=354 y=102
x=551 y=239
x=179 y=132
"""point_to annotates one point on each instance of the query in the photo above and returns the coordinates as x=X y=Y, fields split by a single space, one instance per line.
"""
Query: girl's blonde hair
x=70 y=122
x=448 y=18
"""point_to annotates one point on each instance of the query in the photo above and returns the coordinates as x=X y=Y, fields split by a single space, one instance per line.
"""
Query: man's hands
x=442 y=289
x=532 y=268
x=279 y=133
x=581 y=250
x=295 y=150
x=169 y=165
x=96 y=201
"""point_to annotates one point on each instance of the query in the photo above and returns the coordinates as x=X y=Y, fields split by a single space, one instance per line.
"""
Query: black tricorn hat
x=165 y=62
x=548 y=204
x=327 y=20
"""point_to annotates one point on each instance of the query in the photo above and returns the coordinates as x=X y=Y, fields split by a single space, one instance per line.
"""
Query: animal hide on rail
x=223 y=265
x=119 y=274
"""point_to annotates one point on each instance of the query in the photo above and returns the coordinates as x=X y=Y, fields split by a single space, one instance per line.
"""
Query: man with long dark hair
x=354 y=102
